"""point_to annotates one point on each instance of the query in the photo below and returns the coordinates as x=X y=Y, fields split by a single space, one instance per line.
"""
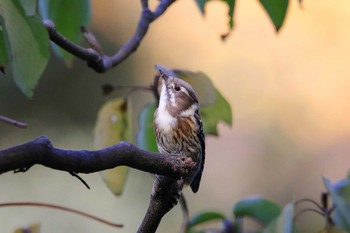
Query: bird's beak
x=164 y=73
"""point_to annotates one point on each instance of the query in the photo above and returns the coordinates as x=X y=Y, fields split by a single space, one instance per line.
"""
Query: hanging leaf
x=201 y=83
x=277 y=10
x=112 y=126
x=3 y=50
x=284 y=222
x=211 y=115
x=68 y=17
x=146 y=138
x=29 y=7
x=257 y=208
x=340 y=194
x=26 y=41
x=230 y=4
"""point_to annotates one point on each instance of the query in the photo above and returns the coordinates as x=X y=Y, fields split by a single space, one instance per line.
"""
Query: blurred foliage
x=146 y=139
x=275 y=219
x=276 y=10
x=68 y=17
x=257 y=208
x=26 y=45
x=230 y=4
x=112 y=126
x=32 y=228
x=340 y=194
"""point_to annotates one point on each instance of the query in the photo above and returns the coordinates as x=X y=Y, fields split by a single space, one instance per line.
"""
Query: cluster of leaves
x=24 y=41
x=276 y=9
x=274 y=218
x=114 y=122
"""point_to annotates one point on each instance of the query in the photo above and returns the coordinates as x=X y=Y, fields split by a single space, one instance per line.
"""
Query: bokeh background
x=289 y=93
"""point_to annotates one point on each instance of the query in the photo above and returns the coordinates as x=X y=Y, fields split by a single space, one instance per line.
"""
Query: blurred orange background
x=289 y=92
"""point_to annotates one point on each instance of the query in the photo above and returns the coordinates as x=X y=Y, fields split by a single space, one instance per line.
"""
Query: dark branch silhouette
x=40 y=151
x=94 y=57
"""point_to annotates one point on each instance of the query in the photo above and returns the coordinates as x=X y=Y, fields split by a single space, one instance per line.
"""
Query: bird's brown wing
x=200 y=134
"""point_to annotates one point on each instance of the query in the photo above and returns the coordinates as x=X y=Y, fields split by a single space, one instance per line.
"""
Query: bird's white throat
x=164 y=119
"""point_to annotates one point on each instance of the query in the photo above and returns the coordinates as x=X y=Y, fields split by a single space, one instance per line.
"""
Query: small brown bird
x=177 y=124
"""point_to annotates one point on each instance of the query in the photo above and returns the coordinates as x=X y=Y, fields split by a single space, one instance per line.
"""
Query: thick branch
x=100 y=62
x=164 y=196
x=41 y=151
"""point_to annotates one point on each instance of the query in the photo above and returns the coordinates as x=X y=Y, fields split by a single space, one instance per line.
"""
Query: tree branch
x=100 y=62
x=13 y=122
x=165 y=193
x=22 y=157
x=40 y=151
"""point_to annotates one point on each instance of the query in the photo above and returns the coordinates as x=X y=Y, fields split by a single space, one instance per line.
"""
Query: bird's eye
x=177 y=88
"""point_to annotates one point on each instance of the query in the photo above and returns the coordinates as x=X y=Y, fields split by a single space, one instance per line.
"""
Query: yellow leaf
x=32 y=228
x=112 y=126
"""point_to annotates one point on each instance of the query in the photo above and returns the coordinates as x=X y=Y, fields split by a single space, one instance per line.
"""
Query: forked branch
x=99 y=61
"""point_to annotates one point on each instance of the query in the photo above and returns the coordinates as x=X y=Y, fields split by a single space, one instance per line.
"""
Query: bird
x=178 y=126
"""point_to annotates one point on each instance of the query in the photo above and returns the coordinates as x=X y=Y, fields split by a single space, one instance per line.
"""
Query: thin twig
x=185 y=213
x=13 y=122
x=66 y=209
x=310 y=201
x=80 y=179
x=309 y=210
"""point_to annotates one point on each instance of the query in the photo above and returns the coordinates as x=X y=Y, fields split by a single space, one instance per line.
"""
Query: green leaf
x=26 y=41
x=257 y=208
x=205 y=217
x=230 y=4
x=29 y=7
x=340 y=194
x=276 y=9
x=68 y=17
x=3 y=53
x=146 y=138
x=112 y=126
x=201 y=83
x=211 y=115
x=284 y=223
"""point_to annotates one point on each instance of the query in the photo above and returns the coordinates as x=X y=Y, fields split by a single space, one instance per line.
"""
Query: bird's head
x=177 y=96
